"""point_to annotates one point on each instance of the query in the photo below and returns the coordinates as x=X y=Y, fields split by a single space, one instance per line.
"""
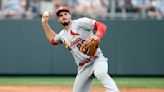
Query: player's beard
x=66 y=23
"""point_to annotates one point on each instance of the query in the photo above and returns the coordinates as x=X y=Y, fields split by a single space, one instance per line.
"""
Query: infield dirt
x=69 y=89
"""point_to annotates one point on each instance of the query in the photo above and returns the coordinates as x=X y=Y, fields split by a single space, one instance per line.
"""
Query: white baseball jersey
x=80 y=30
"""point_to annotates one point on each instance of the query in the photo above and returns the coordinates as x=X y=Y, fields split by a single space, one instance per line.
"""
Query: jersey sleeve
x=86 y=23
x=57 y=39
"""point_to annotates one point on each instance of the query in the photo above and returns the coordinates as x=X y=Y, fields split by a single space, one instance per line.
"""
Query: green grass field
x=122 y=82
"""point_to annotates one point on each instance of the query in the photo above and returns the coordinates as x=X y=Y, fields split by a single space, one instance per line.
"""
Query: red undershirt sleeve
x=53 y=42
x=100 y=29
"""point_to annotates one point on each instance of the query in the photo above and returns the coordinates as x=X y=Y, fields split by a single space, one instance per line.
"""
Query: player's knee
x=100 y=75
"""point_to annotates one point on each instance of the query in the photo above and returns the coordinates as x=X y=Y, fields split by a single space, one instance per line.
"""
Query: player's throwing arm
x=47 y=29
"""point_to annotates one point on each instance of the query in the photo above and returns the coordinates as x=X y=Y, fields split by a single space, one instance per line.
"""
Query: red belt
x=87 y=61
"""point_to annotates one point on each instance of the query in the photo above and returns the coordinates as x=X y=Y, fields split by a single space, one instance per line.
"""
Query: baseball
x=46 y=13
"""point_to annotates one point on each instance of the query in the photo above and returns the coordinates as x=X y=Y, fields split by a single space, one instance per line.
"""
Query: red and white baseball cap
x=62 y=8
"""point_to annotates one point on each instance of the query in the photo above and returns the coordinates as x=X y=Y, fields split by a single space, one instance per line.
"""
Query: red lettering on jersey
x=73 y=33
x=76 y=41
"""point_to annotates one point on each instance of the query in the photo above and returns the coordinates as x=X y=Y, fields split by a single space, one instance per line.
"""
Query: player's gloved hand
x=45 y=16
x=89 y=46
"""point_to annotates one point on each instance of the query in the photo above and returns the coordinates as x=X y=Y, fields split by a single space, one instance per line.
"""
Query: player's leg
x=101 y=73
x=83 y=80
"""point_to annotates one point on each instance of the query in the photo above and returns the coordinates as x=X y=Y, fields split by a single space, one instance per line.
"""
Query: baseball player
x=79 y=38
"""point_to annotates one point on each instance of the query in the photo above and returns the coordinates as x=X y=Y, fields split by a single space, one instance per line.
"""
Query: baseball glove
x=89 y=46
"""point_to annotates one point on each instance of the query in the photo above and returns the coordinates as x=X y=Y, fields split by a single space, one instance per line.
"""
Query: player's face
x=64 y=18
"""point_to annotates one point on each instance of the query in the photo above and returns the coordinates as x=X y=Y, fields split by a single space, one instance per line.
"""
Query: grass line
x=122 y=82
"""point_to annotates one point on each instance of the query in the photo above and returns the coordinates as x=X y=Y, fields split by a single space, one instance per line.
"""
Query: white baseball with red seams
x=80 y=30
x=46 y=13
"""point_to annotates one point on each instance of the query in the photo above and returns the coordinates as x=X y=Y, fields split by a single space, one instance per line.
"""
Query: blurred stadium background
x=133 y=43
x=104 y=9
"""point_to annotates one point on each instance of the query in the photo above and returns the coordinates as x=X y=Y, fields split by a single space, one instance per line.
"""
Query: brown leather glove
x=89 y=46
